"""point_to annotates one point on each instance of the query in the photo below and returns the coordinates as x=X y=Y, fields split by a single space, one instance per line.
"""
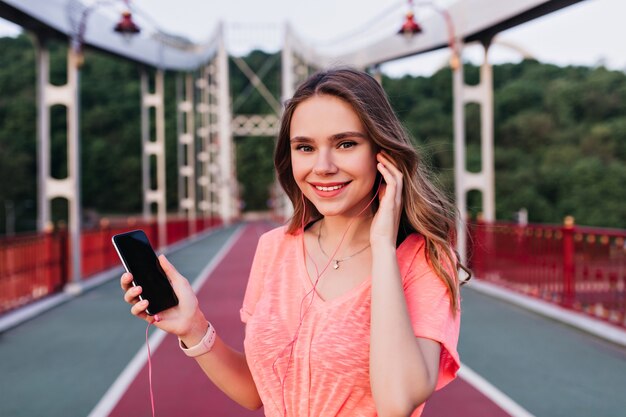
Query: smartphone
x=139 y=259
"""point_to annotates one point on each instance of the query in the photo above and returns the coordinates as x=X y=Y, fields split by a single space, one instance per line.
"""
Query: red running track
x=182 y=389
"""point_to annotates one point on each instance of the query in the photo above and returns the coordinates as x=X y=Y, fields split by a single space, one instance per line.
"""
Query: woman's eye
x=304 y=148
x=346 y=145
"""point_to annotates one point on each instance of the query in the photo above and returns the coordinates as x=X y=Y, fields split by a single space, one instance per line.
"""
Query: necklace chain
x=336 y=261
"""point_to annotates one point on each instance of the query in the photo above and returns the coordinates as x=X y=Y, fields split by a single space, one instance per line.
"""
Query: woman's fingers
x=172 y=320
x=390 y=172
x=131 y=293
x=179 y=282
x=383 y=158
x=392 y=176
x=386 y=220
x=169 y=269
x=126 y=281
x=139 y=309
x=389 y=181
x=131 y=296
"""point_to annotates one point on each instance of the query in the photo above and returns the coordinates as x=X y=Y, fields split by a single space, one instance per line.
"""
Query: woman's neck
x=333 y=229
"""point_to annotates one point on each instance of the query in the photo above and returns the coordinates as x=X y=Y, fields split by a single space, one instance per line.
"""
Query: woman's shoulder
x=415 y=263
x=412 y=243
x=276 y=233
x=277 y=237
x=413 y=254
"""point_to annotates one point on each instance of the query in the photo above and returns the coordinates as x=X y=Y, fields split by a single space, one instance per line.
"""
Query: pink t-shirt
x=324 y=371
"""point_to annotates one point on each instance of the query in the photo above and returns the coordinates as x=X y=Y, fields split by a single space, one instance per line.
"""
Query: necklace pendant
x=336 y=264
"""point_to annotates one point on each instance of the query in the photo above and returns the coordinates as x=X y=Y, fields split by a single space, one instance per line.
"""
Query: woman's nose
x=324 y=164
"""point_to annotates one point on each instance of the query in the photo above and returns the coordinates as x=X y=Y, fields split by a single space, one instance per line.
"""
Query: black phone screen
x=140 y=260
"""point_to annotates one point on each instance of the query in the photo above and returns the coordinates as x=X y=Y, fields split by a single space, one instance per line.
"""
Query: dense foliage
x=560 y=138
x=560 y=135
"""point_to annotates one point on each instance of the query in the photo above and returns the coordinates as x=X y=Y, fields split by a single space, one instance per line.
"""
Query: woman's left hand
x=385 y=224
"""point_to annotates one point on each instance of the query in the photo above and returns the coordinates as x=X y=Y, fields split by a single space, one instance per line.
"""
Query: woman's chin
x=339 y=211
x=329 y=212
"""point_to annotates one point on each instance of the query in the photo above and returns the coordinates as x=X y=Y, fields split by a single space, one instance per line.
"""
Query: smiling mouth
x=332 y=188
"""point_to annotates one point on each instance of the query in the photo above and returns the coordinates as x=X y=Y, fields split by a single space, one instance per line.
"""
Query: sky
x=590 y=33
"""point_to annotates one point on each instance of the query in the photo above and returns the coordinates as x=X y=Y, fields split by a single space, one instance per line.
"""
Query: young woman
x=352 y=309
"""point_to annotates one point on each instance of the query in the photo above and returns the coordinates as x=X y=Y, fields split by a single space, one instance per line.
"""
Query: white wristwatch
x=204 y=346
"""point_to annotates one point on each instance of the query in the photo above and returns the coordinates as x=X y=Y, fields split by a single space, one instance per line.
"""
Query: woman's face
x=333 y=160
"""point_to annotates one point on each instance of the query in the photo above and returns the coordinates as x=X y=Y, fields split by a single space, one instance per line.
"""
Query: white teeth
x=333 y=188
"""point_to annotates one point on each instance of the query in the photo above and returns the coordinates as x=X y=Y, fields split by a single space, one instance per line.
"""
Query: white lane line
x=494 y=394
x=123 y=381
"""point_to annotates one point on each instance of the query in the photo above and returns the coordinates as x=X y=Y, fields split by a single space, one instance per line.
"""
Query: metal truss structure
x=206 y=169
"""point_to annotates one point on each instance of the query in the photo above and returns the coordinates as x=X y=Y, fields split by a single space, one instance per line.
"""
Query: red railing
x=36 y=265
x=31 y=267
x=580 y=268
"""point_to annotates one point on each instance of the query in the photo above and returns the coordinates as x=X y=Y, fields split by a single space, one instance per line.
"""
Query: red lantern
x=126 y=26
x=410 y=26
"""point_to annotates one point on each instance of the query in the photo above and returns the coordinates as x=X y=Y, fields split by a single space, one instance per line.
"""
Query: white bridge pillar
x=153 y=150
x=186 y=148
x=67 y=95
x=465 y=180
x=227 y=181
x=203 y=111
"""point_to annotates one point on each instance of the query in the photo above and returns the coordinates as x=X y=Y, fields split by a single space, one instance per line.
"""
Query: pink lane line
x=180 y=386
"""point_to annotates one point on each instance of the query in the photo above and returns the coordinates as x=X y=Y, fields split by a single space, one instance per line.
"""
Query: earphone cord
x=150 y=367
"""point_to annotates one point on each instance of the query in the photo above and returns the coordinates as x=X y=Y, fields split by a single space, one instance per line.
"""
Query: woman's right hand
x=184 y=320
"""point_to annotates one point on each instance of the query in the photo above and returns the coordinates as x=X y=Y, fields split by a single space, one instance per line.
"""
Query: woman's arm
x=226 y=367
x=403 y=368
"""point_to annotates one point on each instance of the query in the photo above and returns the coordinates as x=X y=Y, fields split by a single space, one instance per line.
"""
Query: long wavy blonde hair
x=426 y=210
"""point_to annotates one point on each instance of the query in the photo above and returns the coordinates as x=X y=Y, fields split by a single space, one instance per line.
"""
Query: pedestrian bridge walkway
x=87 y=356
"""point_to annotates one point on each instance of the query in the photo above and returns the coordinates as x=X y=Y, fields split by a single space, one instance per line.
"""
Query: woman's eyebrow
x=332 y=138
x=300 y=139
x=349 y=134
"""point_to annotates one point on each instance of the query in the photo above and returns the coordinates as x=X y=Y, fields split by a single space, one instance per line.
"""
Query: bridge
x=543 y=322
